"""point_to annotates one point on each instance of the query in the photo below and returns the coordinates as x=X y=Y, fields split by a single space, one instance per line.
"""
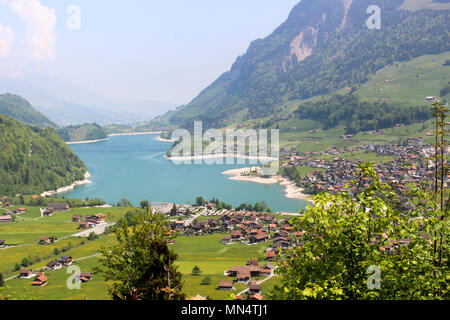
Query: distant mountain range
x=66 y=104
x=323 y=47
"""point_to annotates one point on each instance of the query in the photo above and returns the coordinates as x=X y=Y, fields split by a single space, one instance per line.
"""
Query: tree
x=206 y=281
x=200 y=201
x=2 y=281
x=196 y=271
x=344 y=237
x=124 y=203
x=173 y=211
x=144 y=204
x=142 y=266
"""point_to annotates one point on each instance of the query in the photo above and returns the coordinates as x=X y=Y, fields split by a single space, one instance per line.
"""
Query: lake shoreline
x=86 y=180
x=115 y=135
x=292 y=191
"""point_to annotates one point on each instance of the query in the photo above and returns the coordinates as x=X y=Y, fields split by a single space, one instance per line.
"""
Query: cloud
x=40 y=22
x=6 y=40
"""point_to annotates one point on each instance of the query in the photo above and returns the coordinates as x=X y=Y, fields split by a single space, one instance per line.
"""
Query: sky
x=133 y=50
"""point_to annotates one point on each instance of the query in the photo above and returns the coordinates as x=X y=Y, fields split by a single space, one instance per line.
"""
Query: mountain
x=324 y=46
x=34 y=160
x=68 y=104
x=21 y=110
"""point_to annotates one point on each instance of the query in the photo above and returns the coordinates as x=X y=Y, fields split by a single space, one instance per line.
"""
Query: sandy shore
x=292 y=191
x=134 y=133
x=165 y=140
x=86 y=141
x=86 y=180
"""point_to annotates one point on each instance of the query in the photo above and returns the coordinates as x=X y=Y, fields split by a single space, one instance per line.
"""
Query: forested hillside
x=324 y=46
x=87 y=131
x=21 y=110
x=33 y=160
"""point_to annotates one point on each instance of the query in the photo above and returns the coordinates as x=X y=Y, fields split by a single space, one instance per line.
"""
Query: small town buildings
x=83 y=277
x=45 y=240
x=53 y=265
x=20 y=210
x=40 y=280
x=6 y=218
x=2 y=243
x=254 y=288
x=76 y=218
x=83 y=225
x=58 y=206
x=65 y=260
x=26 y=274
x=257 y=297
x=226 y=239
x=226 y=285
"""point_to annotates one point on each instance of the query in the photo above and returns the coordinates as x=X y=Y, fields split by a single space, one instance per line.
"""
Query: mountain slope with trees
x=323 y=46
x=21 y=110
x=34 y=160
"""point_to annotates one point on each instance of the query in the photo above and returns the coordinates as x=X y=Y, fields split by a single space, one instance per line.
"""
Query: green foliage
x=206 y=281
x=141 y=266
x=200 y=201
x=360 y=115
x=2 y=281
x=34 y=160
x=124 y=203
x=196 y=271
x=342 y=244
x=144 y=204
x=21 y=110
x=87 y=131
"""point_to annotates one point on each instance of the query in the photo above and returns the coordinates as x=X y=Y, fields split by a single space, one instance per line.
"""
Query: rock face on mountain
x=323 y=46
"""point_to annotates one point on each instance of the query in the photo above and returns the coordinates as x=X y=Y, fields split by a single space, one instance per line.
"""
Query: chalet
x=58 y=206
x=53 y=265
x=265 y=272
x=259 y=237
x=236 y=234
x=254 y=288
x=26 y=274
x=226 y=239
x=20 y=210
x=257 y=297
x=76 y=218
x=6 y=218
x=2 y=243
x=270 y=255
x=83 y=277
x=225 y=285
x=47 y=212
x=93 y=218
x=268 y=265
x=83 y=225
x=8 y=204
x=40 y=280
x=65 y=260
x=45 y=240
x=252 y=262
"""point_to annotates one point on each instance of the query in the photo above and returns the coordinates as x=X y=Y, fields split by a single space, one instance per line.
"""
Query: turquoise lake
x=134 y=167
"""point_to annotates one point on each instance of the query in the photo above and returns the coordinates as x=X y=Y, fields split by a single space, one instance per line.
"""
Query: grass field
x=408 y=82
x=206 y=252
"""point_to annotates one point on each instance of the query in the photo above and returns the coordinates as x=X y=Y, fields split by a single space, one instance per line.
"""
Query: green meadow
x=206 y=252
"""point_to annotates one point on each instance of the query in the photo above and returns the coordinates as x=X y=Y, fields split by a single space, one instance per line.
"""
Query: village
x=335 y=172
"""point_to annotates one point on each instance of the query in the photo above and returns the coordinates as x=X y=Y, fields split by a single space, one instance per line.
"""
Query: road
x=272 y=274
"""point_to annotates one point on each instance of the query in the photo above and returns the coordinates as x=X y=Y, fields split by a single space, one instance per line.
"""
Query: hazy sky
x=167 y=50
